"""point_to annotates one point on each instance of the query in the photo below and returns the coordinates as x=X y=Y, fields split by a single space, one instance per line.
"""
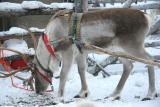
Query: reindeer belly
x=99 y=33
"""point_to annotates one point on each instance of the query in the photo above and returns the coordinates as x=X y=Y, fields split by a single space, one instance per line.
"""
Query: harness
x=53 y=54
x=74 y=30
x=74 y=36
x=48 y=46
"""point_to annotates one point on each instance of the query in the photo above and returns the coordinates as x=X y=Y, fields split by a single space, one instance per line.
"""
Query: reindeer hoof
x=156 y=95
x=86 y=95
x=117 y=98
x=77 y=96
x=150 y=97
x=145 y=99
x=39 y=92
x=113 y=98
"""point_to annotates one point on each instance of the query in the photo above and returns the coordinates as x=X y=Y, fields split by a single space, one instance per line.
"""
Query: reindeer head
x=42 y=76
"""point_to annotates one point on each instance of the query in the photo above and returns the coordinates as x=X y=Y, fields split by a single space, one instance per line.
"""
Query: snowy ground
x=134 y=90
x=99 y=87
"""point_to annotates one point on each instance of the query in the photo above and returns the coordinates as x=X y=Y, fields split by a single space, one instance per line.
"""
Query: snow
x=99 y=87
x=120 y=5
x=34 y=29
x=62 y=5
x=19 y=31
x=13 y=30
x=144 y=3
x=134 y=90
x=117 y=5
x=27 y=5
x=18 y=45
x=33 y=5
x=7 y=6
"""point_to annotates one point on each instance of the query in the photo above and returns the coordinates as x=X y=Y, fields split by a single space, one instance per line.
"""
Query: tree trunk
x=127 y=4
x=85 y=5
x=96 y=68
x=154 y=27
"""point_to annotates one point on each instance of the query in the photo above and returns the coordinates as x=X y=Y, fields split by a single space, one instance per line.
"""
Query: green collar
x=74 y=28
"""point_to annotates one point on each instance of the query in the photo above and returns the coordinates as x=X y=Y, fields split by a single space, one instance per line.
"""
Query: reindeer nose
x=39 y=92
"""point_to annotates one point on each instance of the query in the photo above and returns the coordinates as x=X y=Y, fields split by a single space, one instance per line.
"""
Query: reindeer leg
x=81 y=62
x=151 y=91
x=151 y=75
x=127 y=67
x=140 y=52
x=67 y=62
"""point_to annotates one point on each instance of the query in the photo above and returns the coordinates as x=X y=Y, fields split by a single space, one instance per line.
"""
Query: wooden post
x=81 y=6
x=85 y=5
x=78 y=6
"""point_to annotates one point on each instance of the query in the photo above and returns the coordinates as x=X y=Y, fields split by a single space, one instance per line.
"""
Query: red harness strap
x=48 y=46
x=47 y=79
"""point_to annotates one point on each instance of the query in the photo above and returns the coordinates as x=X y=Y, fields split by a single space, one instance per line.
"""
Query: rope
x=46 y=79
x=73 y=27
x=122 y=54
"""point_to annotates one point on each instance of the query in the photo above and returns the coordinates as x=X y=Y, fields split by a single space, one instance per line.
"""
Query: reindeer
x=119 y=28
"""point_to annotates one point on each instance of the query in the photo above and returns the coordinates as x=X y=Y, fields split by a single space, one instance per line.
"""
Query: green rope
x=54 y=43
x=73 y=30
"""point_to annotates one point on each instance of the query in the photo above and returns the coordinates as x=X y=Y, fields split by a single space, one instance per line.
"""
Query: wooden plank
x=18 y=36
x=11 y=13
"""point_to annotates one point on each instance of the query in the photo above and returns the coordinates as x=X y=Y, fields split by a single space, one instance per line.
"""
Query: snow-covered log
x=155 y=27
x=39 y=8
x=157 y=57
x=153 y=44
x=100 y=67
x=19 y=33
x=28 y=12
x=118 y=1
x=17 y=36
x=31 y=8
x=141 y=6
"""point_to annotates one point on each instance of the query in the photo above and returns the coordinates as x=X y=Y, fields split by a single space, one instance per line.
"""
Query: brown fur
x=127 y=21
